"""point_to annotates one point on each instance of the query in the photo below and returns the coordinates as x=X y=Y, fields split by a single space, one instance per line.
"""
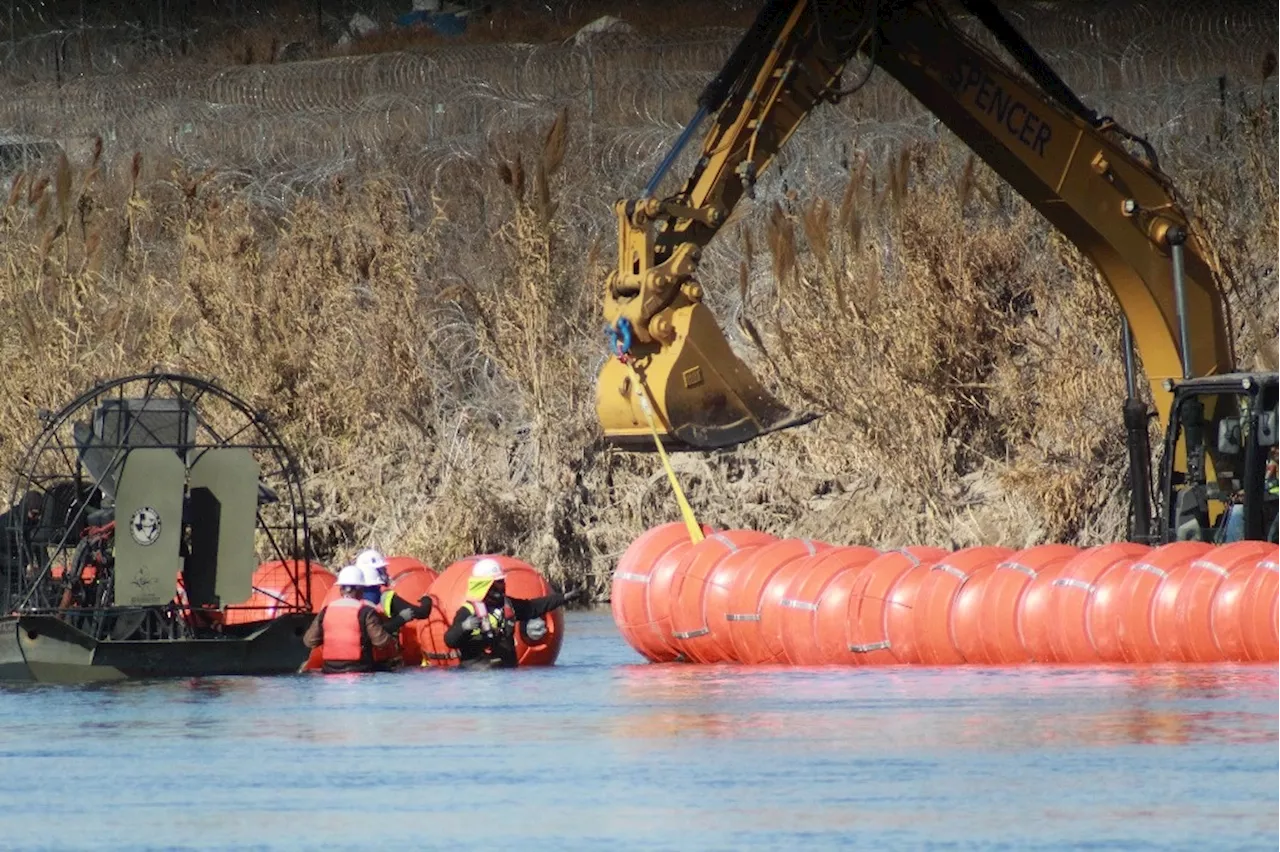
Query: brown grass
x=429 y=349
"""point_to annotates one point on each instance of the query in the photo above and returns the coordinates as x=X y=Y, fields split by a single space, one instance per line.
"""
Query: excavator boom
x=1073 y=167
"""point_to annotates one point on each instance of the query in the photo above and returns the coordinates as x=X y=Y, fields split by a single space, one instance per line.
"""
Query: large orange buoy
x=1033 y=612
x=986 y=610
x=525 y=583
x=281 y=586
x=831 y=618
x=932 y=621
x=1104 y=610
x=776 y=599
x=655 y=638
x=1261 y=634
x=899 y=614
x=1135 y=631
x=691 y=630
x=798 y=630
x=1181 y=616
x=722 y=585
x=628 y=598
x=1071 y=594
x=866 y=627
x=748 y=642
x=397 y=565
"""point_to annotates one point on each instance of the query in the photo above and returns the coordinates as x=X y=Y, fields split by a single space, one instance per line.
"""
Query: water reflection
x=949 y=708
x=603 y=752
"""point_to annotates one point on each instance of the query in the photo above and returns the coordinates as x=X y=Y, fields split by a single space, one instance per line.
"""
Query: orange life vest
x=344 y=640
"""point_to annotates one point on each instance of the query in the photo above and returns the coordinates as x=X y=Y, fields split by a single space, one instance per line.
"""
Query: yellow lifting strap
x=690 y=520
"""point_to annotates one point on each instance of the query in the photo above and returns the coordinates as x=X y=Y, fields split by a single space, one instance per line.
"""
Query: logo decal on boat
x=144 y=526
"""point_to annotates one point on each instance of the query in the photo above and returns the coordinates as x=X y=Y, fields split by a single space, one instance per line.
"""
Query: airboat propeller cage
x=142 y=454
x=188 y=486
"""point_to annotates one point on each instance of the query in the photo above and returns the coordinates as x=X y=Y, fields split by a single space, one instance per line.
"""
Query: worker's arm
x=526 y=609
x=314 y=637
x=404 y=612
x=421 y=609
x=378 y=635
x=460 y=630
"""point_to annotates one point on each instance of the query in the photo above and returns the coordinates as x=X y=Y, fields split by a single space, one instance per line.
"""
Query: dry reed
x=428 y=347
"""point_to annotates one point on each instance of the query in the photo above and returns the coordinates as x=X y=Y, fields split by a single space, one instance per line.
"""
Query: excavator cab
x=1218 y=475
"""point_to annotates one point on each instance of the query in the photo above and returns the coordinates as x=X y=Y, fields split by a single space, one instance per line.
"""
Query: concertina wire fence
x=1179 y=76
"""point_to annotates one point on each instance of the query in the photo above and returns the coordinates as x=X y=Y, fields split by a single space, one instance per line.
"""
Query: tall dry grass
x=429 y=349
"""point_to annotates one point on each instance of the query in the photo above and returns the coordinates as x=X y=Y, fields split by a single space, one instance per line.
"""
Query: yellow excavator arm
x=1075 y=168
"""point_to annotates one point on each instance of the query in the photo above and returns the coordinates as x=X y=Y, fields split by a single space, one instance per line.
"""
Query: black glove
x=572 y=595
x=400 y=619
x=424 y=607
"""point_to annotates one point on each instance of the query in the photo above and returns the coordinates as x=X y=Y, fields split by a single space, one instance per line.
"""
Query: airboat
x=140 y=517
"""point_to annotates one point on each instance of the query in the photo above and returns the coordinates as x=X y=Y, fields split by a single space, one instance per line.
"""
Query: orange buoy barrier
x=1183 y=611
x=691 y=631
x=745 y=601
x=629 y=599
x=990 y=607
x=1034 y=625
x=743 y=596
x=1136 y=629
x=867 y=627
x=935 y=630
x=1070 y=595
x=718 y=602
x=798 y=628
x=899 y=613
x=777 y=597
x=1243 y=613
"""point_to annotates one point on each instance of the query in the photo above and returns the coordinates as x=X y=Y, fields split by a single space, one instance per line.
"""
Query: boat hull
x=45 y=649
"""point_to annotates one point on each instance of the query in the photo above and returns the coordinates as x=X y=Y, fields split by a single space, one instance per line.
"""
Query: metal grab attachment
x=1137 y=442
x=1177 y=238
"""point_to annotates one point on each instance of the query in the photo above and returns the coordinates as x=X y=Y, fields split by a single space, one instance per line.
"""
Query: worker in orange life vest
x=483 y=628
x=348 y=629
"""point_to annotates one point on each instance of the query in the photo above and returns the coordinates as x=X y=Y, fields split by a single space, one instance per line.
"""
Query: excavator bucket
x=702 y=395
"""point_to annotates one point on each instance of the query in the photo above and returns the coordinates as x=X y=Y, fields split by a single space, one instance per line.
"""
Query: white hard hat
x=370 y=559
x=488 y=569
x=373 y=576
x=351 y=576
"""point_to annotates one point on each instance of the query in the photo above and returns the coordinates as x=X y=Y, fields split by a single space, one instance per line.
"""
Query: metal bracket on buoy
x=788 y=602
x=1075 y=584
x=691 y=634
x=1150 y=569
x=751 y=616
x=874 y=646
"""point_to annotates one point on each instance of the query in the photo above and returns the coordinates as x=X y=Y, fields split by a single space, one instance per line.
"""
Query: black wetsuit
x=497 y=649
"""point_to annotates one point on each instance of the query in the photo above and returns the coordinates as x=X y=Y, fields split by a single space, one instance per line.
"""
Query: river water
x=604 y=751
